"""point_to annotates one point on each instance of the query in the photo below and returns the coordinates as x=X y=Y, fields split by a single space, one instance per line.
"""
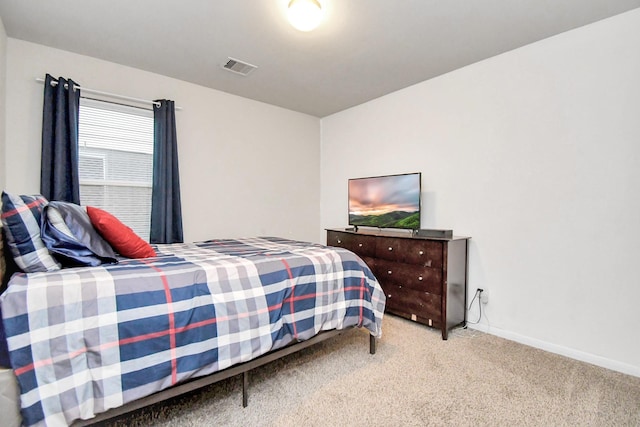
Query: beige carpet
x=414 y=379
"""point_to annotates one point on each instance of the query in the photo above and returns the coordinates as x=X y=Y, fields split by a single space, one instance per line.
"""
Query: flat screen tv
x=391 y=201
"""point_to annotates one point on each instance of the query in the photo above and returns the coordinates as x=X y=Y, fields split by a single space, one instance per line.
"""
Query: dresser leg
x=372 y=344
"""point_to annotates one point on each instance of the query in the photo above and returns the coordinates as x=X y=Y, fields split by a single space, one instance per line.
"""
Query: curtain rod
x=111 y=95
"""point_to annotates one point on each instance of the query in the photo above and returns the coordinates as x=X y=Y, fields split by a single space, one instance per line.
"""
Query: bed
x=88 y=343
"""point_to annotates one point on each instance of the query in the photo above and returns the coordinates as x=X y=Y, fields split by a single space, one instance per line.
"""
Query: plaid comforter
x=84 y=340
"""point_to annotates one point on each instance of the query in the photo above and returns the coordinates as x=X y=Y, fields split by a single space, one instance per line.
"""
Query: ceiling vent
x=239 y=67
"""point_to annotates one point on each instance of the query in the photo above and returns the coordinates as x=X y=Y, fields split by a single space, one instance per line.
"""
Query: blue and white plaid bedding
x=84 y=340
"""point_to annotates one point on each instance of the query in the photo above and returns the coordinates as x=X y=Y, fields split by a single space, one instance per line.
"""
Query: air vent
x=239 y=67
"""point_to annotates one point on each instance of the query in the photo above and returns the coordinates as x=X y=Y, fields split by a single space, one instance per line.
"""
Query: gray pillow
x=69 y=235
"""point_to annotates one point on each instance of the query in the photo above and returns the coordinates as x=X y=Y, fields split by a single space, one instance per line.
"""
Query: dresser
x=424 y=279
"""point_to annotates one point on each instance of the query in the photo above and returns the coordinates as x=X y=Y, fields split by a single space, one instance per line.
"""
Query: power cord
x=478 y=293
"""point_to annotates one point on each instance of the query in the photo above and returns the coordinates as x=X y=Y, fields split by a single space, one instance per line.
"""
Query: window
x=116 y=161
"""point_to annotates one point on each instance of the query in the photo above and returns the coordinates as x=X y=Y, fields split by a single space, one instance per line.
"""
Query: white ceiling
x=362 y=50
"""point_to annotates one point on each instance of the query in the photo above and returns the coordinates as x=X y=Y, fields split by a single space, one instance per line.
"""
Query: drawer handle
x=390 y=249
x=339 y=241
x=389 y=272
x=420 y=278
x=421 y=252
x=360 y=244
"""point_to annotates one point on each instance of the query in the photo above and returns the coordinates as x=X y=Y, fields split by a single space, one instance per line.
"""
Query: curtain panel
x=166 y=211
x=59 y=176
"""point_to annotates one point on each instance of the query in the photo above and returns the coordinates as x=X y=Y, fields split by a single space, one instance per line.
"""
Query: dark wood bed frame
x=7 y=267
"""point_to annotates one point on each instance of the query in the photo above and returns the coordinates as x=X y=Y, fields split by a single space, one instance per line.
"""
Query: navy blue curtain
x=166 y=212
x=59 y=169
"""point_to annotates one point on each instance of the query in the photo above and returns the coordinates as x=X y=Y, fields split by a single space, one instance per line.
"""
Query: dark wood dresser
x=424 y=279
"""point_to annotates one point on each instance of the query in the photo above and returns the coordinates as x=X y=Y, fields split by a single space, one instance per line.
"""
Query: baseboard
x=603 y=362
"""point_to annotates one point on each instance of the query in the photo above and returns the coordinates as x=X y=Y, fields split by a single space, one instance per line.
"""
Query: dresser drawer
x=413 y=303
x=390 y=249
x=362 y=245
x=411 y=276
x=412 y=251
x=336 y=239
x=424 y=252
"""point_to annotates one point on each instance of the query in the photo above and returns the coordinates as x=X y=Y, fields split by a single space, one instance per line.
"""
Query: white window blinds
x=116 y=161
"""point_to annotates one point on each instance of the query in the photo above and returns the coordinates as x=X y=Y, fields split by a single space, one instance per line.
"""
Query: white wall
x=3 y=72
x=536 y=155
x=246 y=168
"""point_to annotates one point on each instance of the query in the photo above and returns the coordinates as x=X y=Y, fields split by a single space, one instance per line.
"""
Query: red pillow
x=120 y=237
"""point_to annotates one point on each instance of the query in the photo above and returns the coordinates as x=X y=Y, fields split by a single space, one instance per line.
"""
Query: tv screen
x=391 y=201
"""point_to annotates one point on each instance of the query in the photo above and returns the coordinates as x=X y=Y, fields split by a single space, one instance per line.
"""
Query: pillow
x=21 y=220
x=68 y=233
x=123 y=239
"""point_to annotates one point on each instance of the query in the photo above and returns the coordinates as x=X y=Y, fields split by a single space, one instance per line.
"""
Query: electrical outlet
x=484 y=296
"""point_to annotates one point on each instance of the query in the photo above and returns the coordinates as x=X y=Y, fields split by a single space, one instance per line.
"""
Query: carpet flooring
x=414 y=379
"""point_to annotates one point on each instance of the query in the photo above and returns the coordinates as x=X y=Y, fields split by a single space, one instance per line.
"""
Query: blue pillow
x=21 y=220
x=69 y=235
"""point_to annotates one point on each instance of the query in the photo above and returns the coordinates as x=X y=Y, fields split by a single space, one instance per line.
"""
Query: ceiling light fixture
x=305 y=15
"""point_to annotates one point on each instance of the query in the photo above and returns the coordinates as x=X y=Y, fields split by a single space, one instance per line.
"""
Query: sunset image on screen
x=388 y=201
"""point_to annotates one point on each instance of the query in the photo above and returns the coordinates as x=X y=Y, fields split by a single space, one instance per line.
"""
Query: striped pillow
x=70 y=237
x=21 y=220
